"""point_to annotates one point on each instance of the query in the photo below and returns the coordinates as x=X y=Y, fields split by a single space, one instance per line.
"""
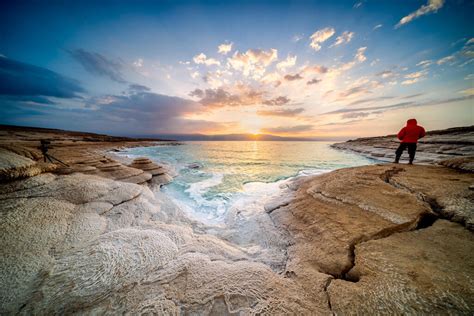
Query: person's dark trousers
x=411 y=151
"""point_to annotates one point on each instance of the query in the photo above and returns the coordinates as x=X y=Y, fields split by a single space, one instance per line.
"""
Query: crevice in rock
x=388 y=174
x=348 y=274
x=326 y=286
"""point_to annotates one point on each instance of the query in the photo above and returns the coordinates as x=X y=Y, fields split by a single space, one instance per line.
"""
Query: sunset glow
x=302 y=69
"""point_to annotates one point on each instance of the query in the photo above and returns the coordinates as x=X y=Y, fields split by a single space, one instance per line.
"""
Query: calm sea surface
x=213 y=176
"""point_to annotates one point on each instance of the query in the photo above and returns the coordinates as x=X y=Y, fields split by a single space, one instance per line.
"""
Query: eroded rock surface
x=427 y=271
x=371 y=228
x=434 y=147
x=83 y=243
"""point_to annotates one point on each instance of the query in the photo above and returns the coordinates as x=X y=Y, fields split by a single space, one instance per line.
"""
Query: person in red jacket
x=409 y=136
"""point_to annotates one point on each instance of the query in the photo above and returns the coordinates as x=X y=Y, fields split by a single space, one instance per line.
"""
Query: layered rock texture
x=434 y=147
x=20 y=155
x=396 y=239
x=380 y=239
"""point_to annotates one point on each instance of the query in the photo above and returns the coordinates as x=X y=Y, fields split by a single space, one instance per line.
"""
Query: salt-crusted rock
x=427 y=271
x=113 y=261
x=460 y=163
x=147 y=165
x=14 y=166
x=82 y=243
x=434 y=147
x=159 y=173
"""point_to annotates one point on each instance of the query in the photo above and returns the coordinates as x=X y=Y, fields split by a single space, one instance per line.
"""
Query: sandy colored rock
x=14 y=166
x=460 y=163
x=428 y=271
x=434 y=147
x=147 y=165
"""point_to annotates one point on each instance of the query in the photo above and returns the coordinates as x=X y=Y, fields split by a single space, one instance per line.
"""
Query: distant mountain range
x=235 y=137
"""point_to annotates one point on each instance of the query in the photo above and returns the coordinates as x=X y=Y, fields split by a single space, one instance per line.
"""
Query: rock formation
x=382 y=233
x=86 y=239
x=434 y=147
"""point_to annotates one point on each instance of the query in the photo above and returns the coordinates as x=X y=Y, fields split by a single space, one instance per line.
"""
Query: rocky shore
x=434 y=147
x=99 y=237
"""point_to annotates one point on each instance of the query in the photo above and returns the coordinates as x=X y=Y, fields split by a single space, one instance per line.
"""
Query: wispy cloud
x=281 y=112
x=445 y=60
x=358 y=4
x=414 y=77
x=297 y=37
x=99 y=65
x=345 y=37
x=321 y=36
x=369 y=100
x=377 y=27
x=288 y=129
x=28 y=81
x=407 y=104
x=431 y=7
x=425 y=63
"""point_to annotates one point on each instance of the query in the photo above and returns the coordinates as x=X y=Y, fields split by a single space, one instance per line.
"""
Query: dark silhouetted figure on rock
x=409 y=136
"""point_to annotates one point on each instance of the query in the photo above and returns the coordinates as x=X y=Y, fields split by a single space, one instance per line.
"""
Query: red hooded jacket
x=411 y=133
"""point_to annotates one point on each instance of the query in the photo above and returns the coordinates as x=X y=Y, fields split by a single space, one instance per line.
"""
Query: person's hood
x=411 y=122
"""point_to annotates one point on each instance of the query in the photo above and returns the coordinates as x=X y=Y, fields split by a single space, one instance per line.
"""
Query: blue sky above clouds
x=298 y=68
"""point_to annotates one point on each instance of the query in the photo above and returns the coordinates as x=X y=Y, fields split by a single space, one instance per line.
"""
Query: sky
x=326 y=69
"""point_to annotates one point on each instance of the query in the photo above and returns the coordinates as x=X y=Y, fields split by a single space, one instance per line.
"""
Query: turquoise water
x=212 y=176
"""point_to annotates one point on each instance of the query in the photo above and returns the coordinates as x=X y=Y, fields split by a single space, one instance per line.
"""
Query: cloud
x=281 y=100
x=353 y=91
x=386 y=74
x=138 y=63
x=288 y=129
x=345 y=37
x=358 y=4
x=425 y=63
x=224 y=48
x=414 y=77
x=371 y=100
x=360 y=57
x=321 y=36
x=272 y=78
x=202 y=59
x=287 y=63
x=408 y=104
x=431 y=7
x=293 y=77
x=444 y=60
x=297 y=37
x=359 y=87
x=138 y=88
x=468 y=91
x=281 y=112
x=313 y=81
x=30 y=82
x=253 y=62
x=136 y=113
x=99 y=65
x=354 y=115
x=314 y=69
x=215 y=98
x=377 y=27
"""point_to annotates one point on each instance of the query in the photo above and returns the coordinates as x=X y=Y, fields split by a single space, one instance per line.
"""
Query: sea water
x=212 y=176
